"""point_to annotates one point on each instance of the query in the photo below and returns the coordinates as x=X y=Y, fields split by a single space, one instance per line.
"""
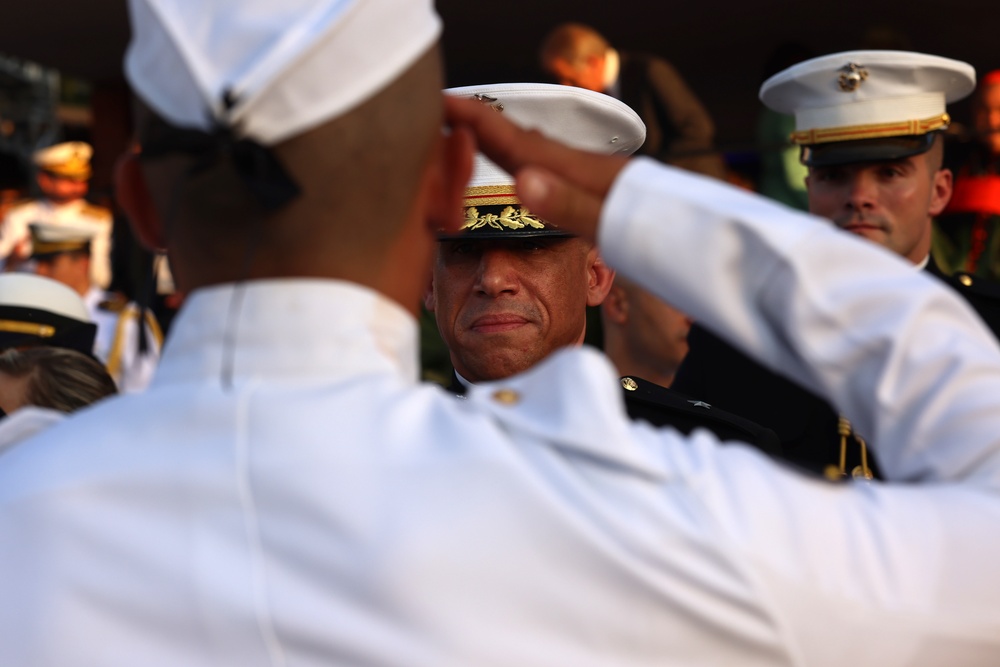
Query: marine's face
x=988 y=117
x=890 y=202
x=503 y=305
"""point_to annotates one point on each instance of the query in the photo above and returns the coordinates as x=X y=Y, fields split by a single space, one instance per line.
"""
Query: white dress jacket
x=287 y=493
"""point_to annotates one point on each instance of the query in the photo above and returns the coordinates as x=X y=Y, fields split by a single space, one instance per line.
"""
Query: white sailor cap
x=860 y=106
x=29 y=291
x=70 y=159
x=52 y=239
x=574 y=116
x=270 y=69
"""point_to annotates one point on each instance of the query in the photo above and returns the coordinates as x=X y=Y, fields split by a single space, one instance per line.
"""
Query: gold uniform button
x=965 y=280
x=506 y=396
x=629 y=384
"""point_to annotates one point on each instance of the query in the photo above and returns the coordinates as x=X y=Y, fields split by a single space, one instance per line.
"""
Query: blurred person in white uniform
x=63 y=176
x=63 y=253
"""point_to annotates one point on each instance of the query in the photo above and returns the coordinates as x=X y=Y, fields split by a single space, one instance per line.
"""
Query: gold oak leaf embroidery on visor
x=510 y=218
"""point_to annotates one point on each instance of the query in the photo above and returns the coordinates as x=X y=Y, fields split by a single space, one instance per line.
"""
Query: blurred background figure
x=40 y=385
x=643 y=336
x=128 y=337
x=40 y=311
x=679 y=130
x=968 y=232
x=63 y=175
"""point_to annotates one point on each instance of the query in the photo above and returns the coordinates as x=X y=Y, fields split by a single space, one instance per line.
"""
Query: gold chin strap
x=840 y=471
x=32 y=328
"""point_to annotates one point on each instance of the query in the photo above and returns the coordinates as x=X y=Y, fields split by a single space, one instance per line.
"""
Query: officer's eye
x=829 y=174
x=533 y=244
x=460 y=247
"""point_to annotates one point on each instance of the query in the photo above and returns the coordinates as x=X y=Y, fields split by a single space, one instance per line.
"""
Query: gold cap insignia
x=852 y=74
x=492 y=102
x=629 y=384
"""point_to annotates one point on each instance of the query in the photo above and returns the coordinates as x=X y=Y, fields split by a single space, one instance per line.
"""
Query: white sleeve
x=136 y=369
x=100 y=268
x=901 y=355
x=888 y=574
x=13 y=230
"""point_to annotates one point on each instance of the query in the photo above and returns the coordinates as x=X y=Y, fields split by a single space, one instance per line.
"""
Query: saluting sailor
x=128 y=337
x=63 y=175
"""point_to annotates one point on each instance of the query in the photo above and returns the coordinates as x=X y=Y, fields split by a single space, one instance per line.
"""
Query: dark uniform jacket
x=807 y=426
x=664 y=407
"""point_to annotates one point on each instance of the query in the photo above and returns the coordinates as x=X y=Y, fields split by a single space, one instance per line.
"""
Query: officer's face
x=584 y=73
x=71 y=269
x=890 y=203
x=503 y=305
x=61 y=190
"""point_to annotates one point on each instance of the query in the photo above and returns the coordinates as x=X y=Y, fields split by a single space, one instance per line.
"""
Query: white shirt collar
x=296 y=328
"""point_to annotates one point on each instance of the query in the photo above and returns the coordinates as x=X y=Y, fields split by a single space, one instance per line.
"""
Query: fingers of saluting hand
x=563 y=185
x=560 y=201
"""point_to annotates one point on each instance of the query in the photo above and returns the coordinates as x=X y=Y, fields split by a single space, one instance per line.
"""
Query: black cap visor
x=28 y=327
x=866 y=150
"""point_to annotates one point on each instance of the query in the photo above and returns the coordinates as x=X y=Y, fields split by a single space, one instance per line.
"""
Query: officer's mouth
x=488 y=324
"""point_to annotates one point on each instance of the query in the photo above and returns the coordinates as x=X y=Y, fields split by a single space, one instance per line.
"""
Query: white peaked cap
x=287 y=65
x=859 y=95
x=27 y=291
x=60 y=154
x=577 y=117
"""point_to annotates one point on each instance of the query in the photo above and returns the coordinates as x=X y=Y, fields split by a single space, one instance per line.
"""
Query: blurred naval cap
x=41 y=311
x=48 y=239
x=862 y=106
x=577 y=117
x=70 y=159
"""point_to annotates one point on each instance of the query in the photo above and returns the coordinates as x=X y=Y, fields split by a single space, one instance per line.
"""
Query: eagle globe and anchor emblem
x=852 y=74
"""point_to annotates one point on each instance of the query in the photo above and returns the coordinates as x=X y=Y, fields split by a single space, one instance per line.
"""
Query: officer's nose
x=497 y=273
x=861 y=190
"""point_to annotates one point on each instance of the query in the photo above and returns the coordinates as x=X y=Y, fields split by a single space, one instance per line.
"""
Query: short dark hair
x=61 y=379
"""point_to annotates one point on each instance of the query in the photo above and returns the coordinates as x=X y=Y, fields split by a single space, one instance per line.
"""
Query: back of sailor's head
x=338 y=99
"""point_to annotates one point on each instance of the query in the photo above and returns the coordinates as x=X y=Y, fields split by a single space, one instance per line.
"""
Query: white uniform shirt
x=14 y=233
x=26 y=422
x=286 y=493
x=117 y=341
